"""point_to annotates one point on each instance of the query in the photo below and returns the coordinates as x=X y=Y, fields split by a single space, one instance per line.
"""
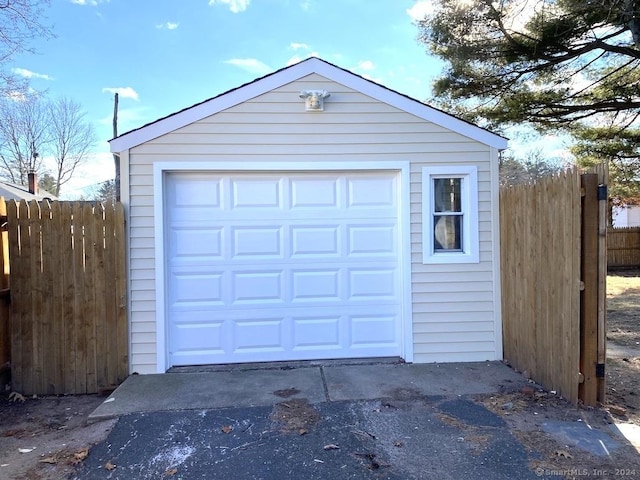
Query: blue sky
x=164 y=55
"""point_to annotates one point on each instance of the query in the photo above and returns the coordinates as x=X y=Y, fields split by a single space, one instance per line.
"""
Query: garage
x=310 y=214
x=270 y=266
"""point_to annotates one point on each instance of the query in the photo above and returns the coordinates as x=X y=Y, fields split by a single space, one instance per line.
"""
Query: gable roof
x=289 y=74
x=13 y=191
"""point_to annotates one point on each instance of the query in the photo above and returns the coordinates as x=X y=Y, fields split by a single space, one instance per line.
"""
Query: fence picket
x=122 y=365
x=17 y=296
x=48 y=348
x=5 y=317
x=100 y=289
x=67 y=280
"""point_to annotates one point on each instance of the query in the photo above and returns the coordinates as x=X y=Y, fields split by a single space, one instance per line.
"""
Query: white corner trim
x=290 y=74
x=404 y=220
x=496 y=249
x=160 y=169
x=161 y=318
x=125 y=201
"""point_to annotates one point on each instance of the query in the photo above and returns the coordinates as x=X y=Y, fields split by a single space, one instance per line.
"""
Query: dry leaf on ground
x=563 y=453
x=79 y=456
x=16 y=397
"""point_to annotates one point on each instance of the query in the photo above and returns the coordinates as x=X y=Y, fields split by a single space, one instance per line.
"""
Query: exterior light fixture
x=314 y=99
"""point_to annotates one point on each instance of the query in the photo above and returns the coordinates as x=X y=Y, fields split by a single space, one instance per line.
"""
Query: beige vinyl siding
x=454 y=311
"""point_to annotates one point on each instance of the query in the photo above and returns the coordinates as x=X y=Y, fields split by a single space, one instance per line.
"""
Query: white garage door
x=282 y=266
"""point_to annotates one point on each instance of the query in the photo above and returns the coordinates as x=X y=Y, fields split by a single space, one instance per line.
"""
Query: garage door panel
x=191 y=190
x=315 y=240
x=195 y=243
x=264 y=241
x=256 y=335
x=372 y=239
x=315 y=285
x=317 y=332
x=372 y=284
x=372 y=191
x=257 y=193
x=201 y=337
x=373 y=330
x=314 y=193
x=256 y=287
x=284 y=267
x=196 y=289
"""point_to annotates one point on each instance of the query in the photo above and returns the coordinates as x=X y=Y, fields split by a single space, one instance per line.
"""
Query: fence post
x=588 y=389
x=603 y=216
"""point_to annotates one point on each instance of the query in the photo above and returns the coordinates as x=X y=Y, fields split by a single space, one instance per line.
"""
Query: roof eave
x=289 y=74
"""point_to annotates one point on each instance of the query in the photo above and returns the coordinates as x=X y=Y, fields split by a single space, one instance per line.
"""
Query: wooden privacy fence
x=68 y=297
x=553 y=274
x=623 y=247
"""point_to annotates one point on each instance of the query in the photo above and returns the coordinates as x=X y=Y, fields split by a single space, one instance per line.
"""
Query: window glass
x=447 y=194
x=447 y=214
x=447 y=233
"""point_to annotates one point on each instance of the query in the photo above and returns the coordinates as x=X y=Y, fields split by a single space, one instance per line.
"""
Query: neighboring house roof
x=12 y=191
x=289 y=74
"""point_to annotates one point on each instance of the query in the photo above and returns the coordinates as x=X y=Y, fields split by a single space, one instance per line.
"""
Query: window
x=450 y=214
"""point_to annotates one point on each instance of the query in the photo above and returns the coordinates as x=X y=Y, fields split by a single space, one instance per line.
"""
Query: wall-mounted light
x=314 y=99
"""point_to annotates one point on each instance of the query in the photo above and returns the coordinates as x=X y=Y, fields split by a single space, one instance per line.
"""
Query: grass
x=623 y=307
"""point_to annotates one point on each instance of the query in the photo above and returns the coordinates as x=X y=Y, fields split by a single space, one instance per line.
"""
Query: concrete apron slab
x=238 y=387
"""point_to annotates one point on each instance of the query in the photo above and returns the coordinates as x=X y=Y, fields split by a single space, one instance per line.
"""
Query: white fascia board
x=290 y=74
x=411 y=106
x=210 y=107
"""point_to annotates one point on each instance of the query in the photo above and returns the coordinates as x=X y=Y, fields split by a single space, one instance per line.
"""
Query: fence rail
x=623 y=247
x=68 y=291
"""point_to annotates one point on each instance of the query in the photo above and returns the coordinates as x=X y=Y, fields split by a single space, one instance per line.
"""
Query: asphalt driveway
x=407 y=437
x=312 y=421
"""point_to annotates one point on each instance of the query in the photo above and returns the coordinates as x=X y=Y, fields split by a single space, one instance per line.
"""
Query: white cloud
x=420 y=9
x=297 y=58
x=235 y=6
x=168 y=25
x=366 y=65
x=16 y=96
x=373 y=79
x=125 y=92
x=98 y=168
x=92 y=3
x=250 y=65
x=299 y=46
x=23 y=72
x=293 y=60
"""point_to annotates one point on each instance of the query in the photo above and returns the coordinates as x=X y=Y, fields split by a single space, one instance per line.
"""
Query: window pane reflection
x=447 y=233
x=447 y=194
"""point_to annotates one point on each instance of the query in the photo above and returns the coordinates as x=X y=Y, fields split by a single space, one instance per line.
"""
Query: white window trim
x=470 y=235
